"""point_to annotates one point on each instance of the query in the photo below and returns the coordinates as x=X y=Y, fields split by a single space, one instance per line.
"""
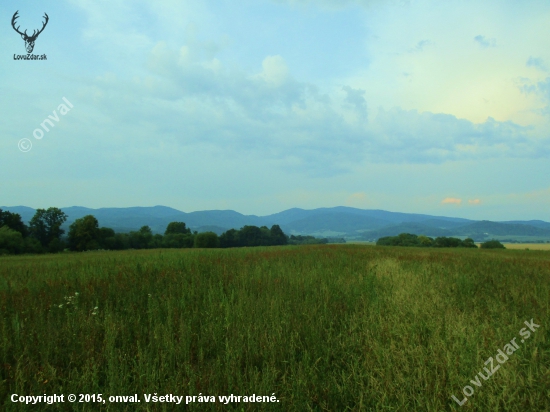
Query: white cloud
x=275 y=71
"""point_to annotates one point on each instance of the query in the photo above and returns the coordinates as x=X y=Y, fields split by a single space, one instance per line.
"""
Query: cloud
x=398 y=135
x=421 y=45
x=485 y=42
x=275 y=70
x=536 y=62
x=190 y=96
x=541 y=89
x=356 y=98
x=474 y=201
x=451 y=201
x=191 y=101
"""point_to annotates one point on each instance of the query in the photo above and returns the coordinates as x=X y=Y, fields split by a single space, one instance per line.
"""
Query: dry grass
x=530 y=246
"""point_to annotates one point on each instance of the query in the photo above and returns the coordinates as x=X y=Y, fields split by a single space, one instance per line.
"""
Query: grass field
x=324 y=328
x=530 y=246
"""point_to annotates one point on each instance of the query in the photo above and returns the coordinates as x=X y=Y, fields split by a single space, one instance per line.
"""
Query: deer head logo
x=29 y=40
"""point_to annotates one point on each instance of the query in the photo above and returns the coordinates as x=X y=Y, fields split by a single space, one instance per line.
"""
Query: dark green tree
x=230 y=239
x=207 y=240
x=45 y=226
x=425 y=241
x=14 y=222
x=119 y=241
x=105 y=233
x=178 y=240
x=141 y=239
x=157 y=241
x=278 y=237
x=84 y=234
x=11 y=241
x=251 y=236
x=492 y=244
x=306 y=240
x=469 y=242
x=447 y=242
x=177 y=227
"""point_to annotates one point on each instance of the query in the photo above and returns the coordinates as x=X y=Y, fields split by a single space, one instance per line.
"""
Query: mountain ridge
x=344 y=221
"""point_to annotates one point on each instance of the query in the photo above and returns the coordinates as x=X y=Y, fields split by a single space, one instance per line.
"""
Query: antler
x=35 y=35
x=15 y=16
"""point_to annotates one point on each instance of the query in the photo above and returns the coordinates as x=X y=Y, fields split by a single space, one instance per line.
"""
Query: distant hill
x=335 y=222
x=340 y=221
x=501 y=229
x=26 y=212
x=536 y=223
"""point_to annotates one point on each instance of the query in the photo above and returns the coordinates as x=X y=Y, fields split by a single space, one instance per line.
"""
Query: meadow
x=322 y=327
x=529 y=246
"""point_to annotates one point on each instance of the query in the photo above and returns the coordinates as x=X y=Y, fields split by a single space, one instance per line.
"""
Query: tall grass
x=336 y=328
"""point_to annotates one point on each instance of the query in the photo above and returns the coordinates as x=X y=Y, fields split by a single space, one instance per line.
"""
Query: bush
x=492 y=244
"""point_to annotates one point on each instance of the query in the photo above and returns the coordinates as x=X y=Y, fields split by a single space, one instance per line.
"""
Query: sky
x=260 y=106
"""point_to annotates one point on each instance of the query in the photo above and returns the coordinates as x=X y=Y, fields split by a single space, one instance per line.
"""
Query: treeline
x=44 y=234
x=311 y=240
x=408 y=239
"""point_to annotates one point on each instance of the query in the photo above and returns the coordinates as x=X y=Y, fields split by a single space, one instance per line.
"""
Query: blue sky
x=260 y=106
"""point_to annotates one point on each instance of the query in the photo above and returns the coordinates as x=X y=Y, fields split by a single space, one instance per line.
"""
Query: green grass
x=325 y=328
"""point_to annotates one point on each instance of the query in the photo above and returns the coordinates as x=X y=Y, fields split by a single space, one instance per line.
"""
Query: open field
x=324 y=328
x=530 y=246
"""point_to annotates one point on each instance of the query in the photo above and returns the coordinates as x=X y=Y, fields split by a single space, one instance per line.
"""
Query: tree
x=469 y=242
x=306 y=240
x=84 y=234
x=207 y=240
x=105 y=233
x=141 y=239
x=11 y=241
x=252 y=236
x=14 y=222
x=177 y=227
x=230 y=239
x=425 y=241
x=119 y=241
x=447 y=242
x=492 y=244
x=278 y=237
x=45 y=226
x=178 y=240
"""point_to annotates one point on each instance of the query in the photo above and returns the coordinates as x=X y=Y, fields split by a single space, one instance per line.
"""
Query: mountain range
x=347 y=222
